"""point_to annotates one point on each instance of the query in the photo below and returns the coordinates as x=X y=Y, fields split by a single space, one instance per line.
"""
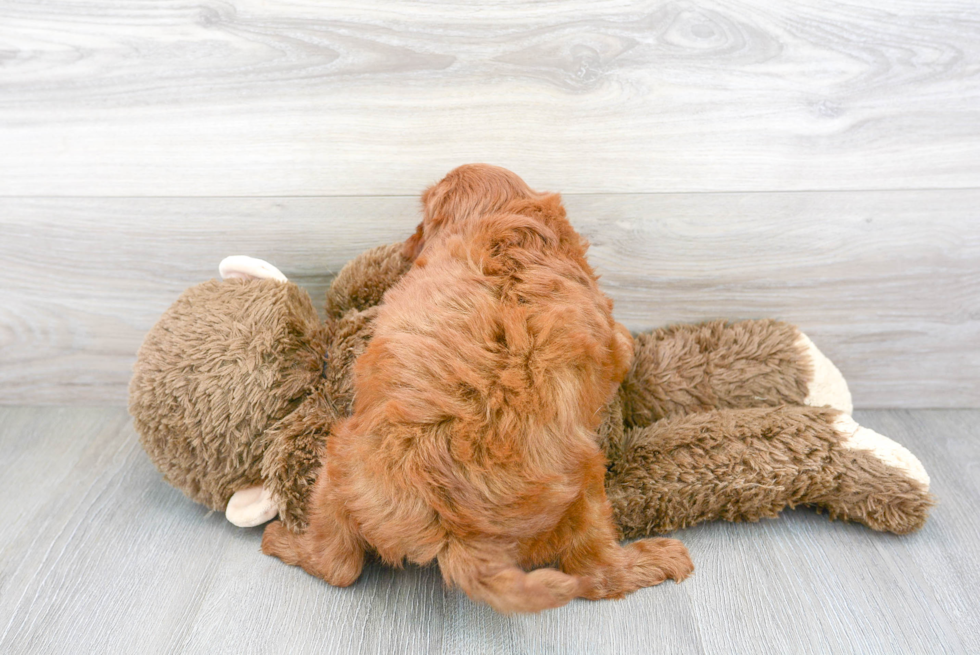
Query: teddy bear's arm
x=362 y=282
x=744 y=465
x=718 y=365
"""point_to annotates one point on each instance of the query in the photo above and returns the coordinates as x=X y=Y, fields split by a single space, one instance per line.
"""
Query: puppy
x=472 y=437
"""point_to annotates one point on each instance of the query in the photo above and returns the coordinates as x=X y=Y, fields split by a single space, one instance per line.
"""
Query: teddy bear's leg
x=859 y=438
x=251 y=506
x=294 y=449
x=693 y=368
x=743 y=465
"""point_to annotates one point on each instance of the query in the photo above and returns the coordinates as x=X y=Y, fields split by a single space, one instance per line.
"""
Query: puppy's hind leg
x=613 y=571
x=330 y=549
x=488 y=576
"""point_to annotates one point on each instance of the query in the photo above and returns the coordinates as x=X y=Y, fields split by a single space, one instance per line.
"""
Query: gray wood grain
x=98 y=554
x=886 y=283
x=853 y=590
x=112 y=97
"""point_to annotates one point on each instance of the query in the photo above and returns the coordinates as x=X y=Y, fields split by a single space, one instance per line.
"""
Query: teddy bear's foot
x=827 y=388
x=880 y=483
x=251 y=507
x=857 y=437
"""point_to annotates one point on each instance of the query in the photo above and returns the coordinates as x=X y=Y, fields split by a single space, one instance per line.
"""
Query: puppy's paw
x=277 y=542
x=324 y=559
x=827 y=388
x=660 y=559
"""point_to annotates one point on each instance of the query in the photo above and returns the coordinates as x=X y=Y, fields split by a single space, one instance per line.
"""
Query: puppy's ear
x=622 y=350
x=433 y=210
x=414 y=244
x=552 y=205
x=438 y=202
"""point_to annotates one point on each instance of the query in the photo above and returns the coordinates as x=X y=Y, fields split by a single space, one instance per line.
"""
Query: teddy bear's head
x=224 y=364
x=238 y=384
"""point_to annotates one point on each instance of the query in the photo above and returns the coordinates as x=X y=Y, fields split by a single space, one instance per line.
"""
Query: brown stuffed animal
x=237 y=386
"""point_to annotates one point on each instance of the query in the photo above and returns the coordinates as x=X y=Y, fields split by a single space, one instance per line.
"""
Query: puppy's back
x=471 y=440
x=489 y=363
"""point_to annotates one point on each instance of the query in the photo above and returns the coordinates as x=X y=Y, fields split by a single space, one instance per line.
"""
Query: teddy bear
x=236 y=388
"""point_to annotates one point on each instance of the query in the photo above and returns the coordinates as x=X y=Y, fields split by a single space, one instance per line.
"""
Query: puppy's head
x=469 y=191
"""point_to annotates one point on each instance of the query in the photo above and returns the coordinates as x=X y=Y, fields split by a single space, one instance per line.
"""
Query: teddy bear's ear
x=251 y=507
x=249 y=268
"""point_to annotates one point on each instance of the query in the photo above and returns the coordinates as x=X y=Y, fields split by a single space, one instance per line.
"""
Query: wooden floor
x=99 y=555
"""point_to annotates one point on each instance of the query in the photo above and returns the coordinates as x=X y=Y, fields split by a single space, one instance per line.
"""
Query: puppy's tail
x=494 y=579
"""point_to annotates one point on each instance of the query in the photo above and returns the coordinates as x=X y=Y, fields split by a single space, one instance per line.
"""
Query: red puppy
x=472 y=439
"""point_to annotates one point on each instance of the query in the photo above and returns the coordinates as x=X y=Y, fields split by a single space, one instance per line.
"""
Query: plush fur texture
x=716 y=365
x=472 y=440
x=225 y=363
x=743 y=465
x=361 y=287
x=240 y=384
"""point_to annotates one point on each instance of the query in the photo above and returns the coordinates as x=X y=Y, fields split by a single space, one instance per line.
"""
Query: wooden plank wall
x=815 y=163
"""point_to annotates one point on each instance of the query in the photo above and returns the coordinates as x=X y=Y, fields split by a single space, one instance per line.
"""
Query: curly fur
x=473 y=434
